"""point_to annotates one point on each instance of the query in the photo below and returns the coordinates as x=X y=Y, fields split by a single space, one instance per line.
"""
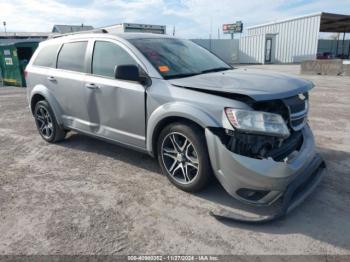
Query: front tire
x=183 y=156
x=46 y=123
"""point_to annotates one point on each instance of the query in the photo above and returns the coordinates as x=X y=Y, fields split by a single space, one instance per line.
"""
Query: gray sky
x=192 y=18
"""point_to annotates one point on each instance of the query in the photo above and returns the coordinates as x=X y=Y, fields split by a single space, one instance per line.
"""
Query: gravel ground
x=84 y=196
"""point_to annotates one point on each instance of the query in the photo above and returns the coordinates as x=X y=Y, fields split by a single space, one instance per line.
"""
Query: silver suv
x=175 y=100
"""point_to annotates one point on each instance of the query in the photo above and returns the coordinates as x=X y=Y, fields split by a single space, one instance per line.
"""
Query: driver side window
x=107 y=56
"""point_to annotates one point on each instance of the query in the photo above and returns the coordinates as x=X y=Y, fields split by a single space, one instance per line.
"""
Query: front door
x=268 y=50
x=115 y=107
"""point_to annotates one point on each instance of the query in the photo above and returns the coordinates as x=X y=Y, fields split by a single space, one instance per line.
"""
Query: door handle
x=51 y=78
x=92 y=86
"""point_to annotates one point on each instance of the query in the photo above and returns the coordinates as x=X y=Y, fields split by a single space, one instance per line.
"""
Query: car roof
x=141 y=35
x=117 y=36
x=111 y=35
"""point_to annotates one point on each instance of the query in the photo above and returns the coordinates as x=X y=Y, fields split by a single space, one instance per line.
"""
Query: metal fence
x=1 y=80
x=226 y=49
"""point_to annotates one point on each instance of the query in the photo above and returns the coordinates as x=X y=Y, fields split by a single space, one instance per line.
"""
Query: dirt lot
x=85 y=196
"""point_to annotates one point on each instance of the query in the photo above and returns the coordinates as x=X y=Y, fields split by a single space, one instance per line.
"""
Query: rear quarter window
x=47 y=56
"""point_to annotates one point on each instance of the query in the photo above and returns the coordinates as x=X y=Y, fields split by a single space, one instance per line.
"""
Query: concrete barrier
x=346 y=69
x=322 y=67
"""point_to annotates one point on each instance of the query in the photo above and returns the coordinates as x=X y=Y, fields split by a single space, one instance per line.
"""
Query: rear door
x=67 y=82
x=117 y=106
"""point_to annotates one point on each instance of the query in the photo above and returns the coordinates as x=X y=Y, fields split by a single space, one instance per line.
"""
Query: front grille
x=298 y=109
x=298 y=122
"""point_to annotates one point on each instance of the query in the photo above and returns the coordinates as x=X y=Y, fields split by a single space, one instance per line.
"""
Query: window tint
x=72 y=56
x=107 y=56
x=47 y=56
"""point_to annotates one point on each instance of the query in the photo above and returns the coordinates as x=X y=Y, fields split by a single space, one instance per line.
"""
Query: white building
x=15 y=37
x=292 y=40
x=135 y=28
x=65 y=29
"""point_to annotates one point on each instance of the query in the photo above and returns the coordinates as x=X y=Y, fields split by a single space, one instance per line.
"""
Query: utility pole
x=336 y=51
x=211 y=26
x=211 y=32
x=4 y=23
x=343 y=46
x=349 y=50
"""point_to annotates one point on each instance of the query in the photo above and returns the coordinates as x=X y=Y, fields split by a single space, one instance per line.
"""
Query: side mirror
x=127 y=72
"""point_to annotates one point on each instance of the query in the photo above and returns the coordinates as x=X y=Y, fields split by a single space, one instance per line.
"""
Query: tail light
x=25 y=74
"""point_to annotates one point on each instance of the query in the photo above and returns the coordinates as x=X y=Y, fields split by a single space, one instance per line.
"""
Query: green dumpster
x=14 y=58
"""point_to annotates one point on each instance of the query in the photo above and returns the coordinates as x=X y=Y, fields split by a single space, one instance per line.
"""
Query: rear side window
x=107 y=56
x=47 y=56
x=72 y=56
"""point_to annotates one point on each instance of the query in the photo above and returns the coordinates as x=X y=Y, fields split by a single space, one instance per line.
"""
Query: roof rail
x=94 y=31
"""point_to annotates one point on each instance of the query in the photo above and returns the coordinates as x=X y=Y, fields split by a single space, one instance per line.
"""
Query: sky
x=191 y=18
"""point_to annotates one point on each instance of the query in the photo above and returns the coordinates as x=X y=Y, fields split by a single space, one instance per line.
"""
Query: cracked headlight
x=255 y=122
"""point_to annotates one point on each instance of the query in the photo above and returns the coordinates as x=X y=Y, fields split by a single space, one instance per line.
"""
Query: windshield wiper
x=218 y=69
x=180 y=75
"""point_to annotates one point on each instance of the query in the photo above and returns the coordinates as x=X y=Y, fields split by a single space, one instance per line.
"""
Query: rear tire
x=46 y=123
x=183 y=156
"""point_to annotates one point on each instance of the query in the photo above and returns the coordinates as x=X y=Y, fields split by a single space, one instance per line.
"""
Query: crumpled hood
x=257 y=84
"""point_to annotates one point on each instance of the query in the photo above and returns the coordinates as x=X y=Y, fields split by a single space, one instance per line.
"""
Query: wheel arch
x=35 y=99
x=171 y=113
x=41 y=92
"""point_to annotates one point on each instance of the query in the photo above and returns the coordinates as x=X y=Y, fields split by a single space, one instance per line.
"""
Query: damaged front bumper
x=291 y=180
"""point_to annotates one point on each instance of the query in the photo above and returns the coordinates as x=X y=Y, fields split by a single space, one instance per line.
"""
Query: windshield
x=175 y=58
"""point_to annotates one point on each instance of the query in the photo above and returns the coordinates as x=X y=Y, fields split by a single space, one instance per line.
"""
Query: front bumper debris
x=290 y=181
x=295 y=194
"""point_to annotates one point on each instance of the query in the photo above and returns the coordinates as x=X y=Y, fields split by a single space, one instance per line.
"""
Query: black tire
x=46 y=123
x=187 y=179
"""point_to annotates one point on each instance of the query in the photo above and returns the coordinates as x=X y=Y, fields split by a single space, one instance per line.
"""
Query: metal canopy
x=334 y=23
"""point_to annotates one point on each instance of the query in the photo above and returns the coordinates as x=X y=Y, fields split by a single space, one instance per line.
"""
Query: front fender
x=178 y=109
x=50 y=98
